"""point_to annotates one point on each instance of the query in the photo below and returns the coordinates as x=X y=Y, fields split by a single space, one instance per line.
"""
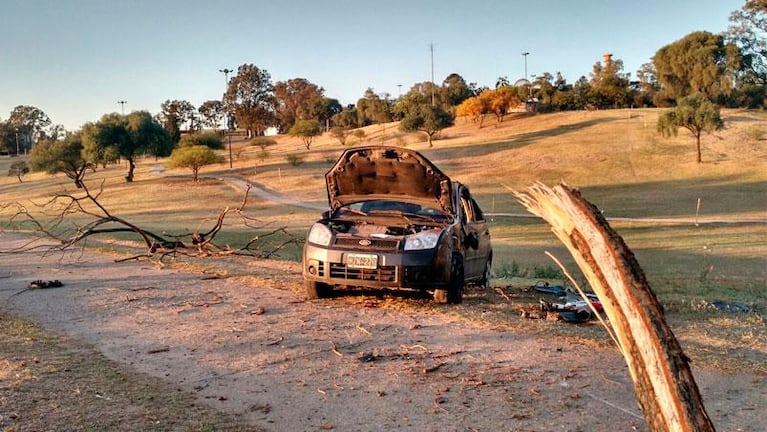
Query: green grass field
x=709 y=244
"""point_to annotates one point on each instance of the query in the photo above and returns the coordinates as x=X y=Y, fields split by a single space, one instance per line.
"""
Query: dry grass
x=50 y=382
x=615 y=157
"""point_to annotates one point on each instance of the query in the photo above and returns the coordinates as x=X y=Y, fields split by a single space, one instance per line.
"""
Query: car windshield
x=398 y=208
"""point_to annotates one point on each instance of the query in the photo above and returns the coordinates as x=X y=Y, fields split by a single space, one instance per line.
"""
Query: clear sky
x=75 y=59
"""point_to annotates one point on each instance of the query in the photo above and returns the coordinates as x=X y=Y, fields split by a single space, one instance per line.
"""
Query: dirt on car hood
x=391 y=173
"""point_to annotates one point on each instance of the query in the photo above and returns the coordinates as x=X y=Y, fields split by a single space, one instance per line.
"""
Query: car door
x=474 y=229
x=481 y=228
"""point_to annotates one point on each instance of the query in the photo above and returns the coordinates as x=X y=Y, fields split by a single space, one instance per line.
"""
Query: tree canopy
x=700 y=62
x=208 y=139
x=61 y=156
x=194 y=157
x=695 y=113
x=428 y=119
x=128 y=136
x=212 y=113
x=306 y=130
x=296 y=99
x=176 y=113
x=749 y=31
x=18 y=169
x=28 y=122
x=250 y=97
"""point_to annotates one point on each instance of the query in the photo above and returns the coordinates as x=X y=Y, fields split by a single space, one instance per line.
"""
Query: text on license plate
x=362 y=261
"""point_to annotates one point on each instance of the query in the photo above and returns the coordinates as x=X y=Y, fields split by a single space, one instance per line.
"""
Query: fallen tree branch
x=62 y=232
x=663 y=381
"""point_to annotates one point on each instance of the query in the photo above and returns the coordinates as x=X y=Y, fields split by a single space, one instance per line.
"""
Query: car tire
x=315 y=290
x=455 y=285
x=484 y=282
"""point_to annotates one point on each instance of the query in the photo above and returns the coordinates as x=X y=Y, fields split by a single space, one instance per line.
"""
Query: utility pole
x=525 y=54
x=226 y=72
x=122 y=106
x=431 y=51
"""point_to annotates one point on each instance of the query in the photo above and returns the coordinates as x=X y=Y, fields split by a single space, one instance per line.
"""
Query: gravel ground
x=254 y=346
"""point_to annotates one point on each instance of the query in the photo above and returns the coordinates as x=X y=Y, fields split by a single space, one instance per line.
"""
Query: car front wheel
x=315 y=290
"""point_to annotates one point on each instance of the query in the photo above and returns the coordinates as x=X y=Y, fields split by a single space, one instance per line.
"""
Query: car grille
x=380 y=274
x=375 y=244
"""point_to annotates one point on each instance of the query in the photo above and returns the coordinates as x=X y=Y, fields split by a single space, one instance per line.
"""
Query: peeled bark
x=663 y=383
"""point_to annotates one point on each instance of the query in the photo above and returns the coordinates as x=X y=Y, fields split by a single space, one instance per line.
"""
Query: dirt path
x=254 y=346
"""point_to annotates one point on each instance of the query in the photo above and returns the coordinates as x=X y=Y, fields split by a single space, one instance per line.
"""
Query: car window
x=476 y=211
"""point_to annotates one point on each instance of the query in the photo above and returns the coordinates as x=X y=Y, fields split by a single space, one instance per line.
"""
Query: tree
x=699 y=62
x=371 y=108
x=428 y=119
x=695 y=113
x=250 y=97
x=347 y=118
x=749 y=31
x=340 y=134
x=61 y=156
x=175 y=113
x=208 y=139
x=18 y=168
x=296 y=99
x=128 y=136
x=499 y=101
x=475 y=108
x=456 y=89
x=306 y=130
x=609 y=87
x=324 y=110
x=28 y=122
x=194 y=157
x=212 y=113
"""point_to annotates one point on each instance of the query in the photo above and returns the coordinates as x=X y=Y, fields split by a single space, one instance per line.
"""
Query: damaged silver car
x=396 y=221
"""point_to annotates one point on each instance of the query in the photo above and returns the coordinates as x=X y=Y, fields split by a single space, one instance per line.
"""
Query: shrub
x=294 y=159
x=194 y=158
x=506 y=270
x=207 y=139
x=262 y=142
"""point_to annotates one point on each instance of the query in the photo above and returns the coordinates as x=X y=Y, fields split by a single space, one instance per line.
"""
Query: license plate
x=364 y=261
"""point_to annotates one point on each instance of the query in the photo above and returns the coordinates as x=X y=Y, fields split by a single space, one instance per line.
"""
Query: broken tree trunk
x=663 y=382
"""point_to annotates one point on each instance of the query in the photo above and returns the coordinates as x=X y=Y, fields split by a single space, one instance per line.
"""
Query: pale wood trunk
x=663 y=383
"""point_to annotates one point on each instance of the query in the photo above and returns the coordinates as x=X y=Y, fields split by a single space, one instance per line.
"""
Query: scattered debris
x=367 y=357
x=728 y=307
x=158 y=350
x=544 y=287
x=40 y=284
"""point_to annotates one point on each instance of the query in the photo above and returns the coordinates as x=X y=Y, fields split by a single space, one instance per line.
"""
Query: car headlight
x=319 y=234
x=422 y=240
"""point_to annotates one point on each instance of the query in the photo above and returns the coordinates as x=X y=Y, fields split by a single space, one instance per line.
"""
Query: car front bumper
x=421 y=270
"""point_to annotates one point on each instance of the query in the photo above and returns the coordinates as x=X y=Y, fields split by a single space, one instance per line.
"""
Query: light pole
x=226 y=72
x=122 y=106
x=525 y=54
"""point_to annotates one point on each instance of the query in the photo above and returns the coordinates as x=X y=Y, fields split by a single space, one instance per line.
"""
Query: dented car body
x=396 y=221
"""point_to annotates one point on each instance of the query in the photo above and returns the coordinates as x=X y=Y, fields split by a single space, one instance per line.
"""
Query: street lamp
x=122 y=105
x=525 y=54
x=226 y=72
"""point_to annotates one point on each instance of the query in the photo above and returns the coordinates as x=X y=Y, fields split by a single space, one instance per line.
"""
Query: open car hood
x=387 y=173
